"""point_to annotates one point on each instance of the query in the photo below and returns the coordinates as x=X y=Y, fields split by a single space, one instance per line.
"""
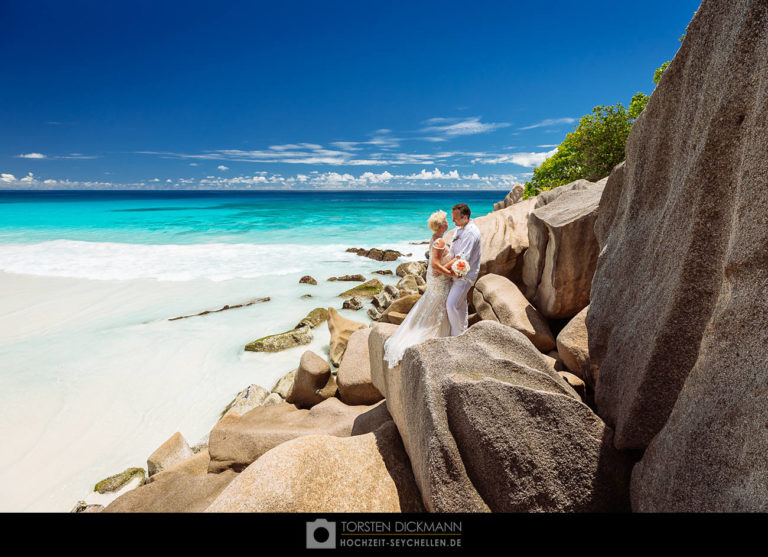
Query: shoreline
x=76 y=313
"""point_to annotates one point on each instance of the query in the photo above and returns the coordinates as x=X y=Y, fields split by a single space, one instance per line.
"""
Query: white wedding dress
x=427 y=319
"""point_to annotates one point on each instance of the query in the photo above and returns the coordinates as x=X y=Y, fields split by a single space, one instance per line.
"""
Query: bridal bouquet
x=460 y=267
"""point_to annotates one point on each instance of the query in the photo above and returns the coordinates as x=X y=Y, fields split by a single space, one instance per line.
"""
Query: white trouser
x=457 y=306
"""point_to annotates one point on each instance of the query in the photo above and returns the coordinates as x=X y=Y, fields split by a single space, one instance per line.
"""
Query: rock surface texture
x=573 y=347
x=322 y=473
x=341 y=329
x=490 y=426
x=562 y=249
x=185 y=487
x=313 y=382
x=496 y=298
x=236 y=441
x=354 y=374
x=174 y=450
x=678 y=323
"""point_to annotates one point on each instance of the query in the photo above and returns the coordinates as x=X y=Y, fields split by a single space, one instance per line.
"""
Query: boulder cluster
x=616 y=358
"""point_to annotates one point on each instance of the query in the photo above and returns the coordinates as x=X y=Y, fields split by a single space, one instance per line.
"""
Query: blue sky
x=311 y=94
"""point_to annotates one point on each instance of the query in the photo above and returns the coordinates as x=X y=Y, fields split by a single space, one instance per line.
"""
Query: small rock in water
x=374 y=314
x=383 y=272
x=352 y=303
x=282 y=341
x=382 y=300
x=83 y=507
x=306 y=279
x=359 y=278
x=377 y=254
x=366 y=290
x=118 y=481
x=306 y=296
x=314 y=318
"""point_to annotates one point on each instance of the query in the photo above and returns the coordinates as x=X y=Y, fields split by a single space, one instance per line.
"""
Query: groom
x=466 y=244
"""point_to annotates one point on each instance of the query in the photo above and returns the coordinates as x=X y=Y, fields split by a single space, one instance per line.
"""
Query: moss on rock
x=282 y=341
x=366 y=290
x=118 y=481
x=314 y=317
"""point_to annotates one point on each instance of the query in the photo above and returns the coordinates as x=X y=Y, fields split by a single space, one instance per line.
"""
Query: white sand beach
x=94 y=377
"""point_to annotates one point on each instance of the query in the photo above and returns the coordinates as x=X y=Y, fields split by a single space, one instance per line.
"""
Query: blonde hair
x=436 y=219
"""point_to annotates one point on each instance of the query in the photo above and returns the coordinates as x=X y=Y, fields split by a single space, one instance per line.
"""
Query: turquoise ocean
x=94 y=376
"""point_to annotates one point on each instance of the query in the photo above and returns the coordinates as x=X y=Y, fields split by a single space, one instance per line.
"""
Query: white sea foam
x=215 y=261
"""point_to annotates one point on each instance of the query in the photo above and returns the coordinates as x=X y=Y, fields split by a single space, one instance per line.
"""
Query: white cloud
x=31 y=156
x=549 y=122
x=77 y=156
x=433 y=175
x=453 y=127
x=521 y=159
x=31 y=182
x=193 y=164
x=424 y=179
x=222 y=167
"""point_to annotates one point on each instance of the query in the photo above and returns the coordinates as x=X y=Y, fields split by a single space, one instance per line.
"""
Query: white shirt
x=467 y=244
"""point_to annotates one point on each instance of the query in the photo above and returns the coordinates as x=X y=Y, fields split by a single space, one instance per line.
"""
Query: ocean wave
x=176 y=262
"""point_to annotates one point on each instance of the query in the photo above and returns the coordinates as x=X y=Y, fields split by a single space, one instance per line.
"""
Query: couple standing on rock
x=442 y=310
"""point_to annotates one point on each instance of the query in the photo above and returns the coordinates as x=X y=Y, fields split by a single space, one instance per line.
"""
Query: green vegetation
x=593 y=148
x=659 y=71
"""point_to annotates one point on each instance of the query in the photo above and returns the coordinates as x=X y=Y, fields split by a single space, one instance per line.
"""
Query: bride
x=428 y=318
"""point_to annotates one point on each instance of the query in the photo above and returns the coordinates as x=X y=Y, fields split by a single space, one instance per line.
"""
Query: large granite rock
x=562 y=250
x=326 y=474
x=186 y=487
x=174 y=450
x=236 y=441
x=496 y=298
x=573 y=348
x=313 y=382
x=678 y=322
x=340 y=328
x=515 y=195
x=504 y=237
x=354 y=374
x=489 y=425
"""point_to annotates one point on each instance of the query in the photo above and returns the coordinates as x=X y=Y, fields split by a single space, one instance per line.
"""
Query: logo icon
x=321 y=534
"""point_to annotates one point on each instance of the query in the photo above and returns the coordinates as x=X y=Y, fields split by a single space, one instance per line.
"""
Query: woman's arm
x=436 y=254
